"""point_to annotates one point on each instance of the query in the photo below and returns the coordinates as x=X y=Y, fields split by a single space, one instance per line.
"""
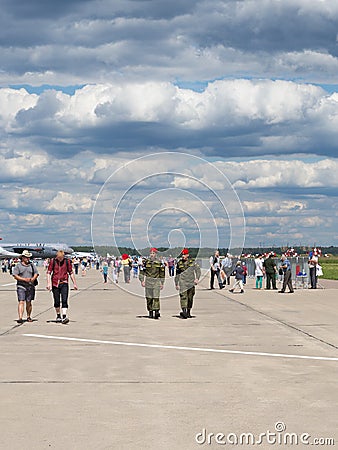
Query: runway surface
x=249 y=365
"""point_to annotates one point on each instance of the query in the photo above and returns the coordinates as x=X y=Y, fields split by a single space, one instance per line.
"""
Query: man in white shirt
x=313 y=261
x=215 y=270
x=226 y=268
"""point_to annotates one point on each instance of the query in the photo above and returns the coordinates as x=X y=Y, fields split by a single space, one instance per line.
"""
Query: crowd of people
x=127 y=267
x=266 y=267
x=151 y=272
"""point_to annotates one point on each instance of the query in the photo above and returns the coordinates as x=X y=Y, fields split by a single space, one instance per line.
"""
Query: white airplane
x=47 y=250
x=5 y=254
x=89 y=255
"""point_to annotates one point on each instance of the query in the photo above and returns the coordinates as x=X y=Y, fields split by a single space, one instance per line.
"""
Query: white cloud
x=267 y=116
x=145 y=74
x=258 y=174
x=273 y=207
x=12 y=101
x=68 y=202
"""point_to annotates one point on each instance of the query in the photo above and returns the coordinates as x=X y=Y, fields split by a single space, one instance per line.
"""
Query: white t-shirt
x=313 y=262
x=259 y=267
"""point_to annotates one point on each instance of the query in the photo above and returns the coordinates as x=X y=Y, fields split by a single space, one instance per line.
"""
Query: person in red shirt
x=58 y=273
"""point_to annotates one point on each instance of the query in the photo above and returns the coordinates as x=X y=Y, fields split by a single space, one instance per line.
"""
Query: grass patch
x=330 y=268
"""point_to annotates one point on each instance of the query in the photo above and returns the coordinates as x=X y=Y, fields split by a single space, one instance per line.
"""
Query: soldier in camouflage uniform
x=152 y=276
x=188 y=273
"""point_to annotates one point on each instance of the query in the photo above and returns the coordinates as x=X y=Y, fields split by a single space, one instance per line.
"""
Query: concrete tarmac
x=253 y=364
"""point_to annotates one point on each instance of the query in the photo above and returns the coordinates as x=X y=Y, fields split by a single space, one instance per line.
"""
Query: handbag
x=319 y=271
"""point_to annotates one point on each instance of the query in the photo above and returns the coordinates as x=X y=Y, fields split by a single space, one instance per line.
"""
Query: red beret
x=185 y=251
x=153 y=250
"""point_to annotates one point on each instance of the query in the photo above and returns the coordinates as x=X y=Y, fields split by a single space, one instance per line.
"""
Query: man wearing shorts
x=58 y=272
x=25 y=274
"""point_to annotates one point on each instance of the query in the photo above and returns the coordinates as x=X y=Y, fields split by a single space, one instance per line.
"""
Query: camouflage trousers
x=153 y=297
x=187 y=297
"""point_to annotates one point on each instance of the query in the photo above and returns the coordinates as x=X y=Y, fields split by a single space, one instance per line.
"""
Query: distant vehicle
x=42 y=251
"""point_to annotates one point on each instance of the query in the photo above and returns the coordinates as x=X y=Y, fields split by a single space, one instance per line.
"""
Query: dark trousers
x=271 y=279
x=214 y=273
x=61 y=291
x=313 y=278
x=287 y=281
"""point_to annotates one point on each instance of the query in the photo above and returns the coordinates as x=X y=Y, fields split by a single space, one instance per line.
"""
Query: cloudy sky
x=90 y=89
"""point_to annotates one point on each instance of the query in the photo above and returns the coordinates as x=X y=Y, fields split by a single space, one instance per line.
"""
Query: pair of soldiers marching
x=152 y=276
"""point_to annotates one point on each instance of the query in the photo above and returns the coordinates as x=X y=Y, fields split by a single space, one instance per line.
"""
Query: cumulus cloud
x=70 y=202
x=262 y=174
x=241 y=116
x=12 y=101
x=274 y=207
x=88 y=86
x=22 y=164
x=87 y=42
x=303 y=186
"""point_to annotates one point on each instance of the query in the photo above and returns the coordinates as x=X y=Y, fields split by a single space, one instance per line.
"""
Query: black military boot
x=151 y=314
x=188 y=313
x=157 y=314
x=184 y=313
